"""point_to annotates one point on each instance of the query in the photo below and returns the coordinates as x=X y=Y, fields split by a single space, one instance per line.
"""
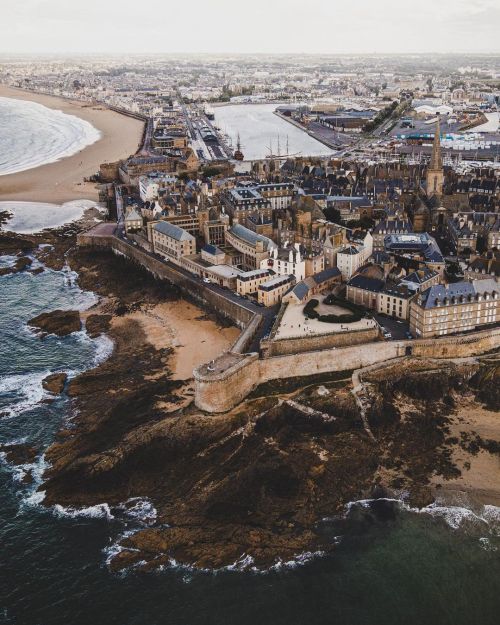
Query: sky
x=249 y=26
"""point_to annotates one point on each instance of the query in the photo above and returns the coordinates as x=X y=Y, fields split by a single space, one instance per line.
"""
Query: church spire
x=436 y=159
x=435 y=173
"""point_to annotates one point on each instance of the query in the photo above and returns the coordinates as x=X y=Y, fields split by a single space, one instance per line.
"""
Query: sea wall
x=220 y=391
x=191 y=286
x=230 y=378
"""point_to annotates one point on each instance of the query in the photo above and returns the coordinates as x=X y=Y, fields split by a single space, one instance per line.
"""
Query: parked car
x=206 y=280
x=388 y=335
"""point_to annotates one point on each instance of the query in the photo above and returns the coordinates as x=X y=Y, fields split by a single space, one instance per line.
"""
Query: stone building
x=458 y=307
x=435 y=172
x=171 y=241
x=271 y=292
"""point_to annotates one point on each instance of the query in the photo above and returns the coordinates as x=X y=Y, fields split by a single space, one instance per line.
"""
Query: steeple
x=435 y=173
x=436 y=159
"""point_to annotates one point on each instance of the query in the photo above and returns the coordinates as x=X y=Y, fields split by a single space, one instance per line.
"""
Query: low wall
x=220 y=392
x=300 y=344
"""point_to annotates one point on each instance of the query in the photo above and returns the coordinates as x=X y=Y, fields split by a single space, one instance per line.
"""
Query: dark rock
x=20 y=265
x=11 y=243
x=97 y=325
x=54 y=383
x=60 y=322
x=19 y=453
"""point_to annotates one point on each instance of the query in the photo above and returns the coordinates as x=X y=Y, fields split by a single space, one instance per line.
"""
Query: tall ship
x=238 y=154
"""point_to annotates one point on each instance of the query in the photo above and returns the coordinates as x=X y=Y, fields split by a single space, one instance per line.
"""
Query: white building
x=352 y=257
x=286 y=262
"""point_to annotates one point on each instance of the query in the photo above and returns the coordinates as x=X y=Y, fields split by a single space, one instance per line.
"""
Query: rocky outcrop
x=95 y=325
x=19 y=453
x=59 y=322
x=21 y=264
x=11 y=243
x=54 y=383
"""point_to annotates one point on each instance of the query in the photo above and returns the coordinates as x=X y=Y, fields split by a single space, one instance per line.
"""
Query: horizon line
x=226 y=53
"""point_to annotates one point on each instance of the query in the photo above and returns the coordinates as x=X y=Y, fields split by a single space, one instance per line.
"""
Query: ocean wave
x=98 y=511
x=103 y=349
x=458 y=517
x=51 y=135
x=455 y=516
x=26 y=392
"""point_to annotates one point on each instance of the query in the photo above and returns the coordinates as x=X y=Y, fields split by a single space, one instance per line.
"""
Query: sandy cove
x=62 y=181
x=181 y=325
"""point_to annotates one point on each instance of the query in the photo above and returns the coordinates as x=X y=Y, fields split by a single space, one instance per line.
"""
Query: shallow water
x=260 y=129
x=394 y=567
x=32 y=134
x=33 y=217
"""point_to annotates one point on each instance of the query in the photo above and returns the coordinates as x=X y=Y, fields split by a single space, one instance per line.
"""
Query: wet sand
x=63 y=181
x=480 y=471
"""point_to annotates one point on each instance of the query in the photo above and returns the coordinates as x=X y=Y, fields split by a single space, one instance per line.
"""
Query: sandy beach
x=63 y=181
x=183 y=326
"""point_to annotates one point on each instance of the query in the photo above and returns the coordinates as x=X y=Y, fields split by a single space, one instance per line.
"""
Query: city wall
x=295 y=345
x=219 y=392
x=190 y=286
x=222 y=388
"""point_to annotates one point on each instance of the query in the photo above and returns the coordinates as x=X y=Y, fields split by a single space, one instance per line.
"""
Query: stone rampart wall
x=191 y=286
x=219 y=393
x=299 y=345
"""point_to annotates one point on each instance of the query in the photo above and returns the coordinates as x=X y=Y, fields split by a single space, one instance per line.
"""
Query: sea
x=32 y=134
x=261 y=131
x=390 y=565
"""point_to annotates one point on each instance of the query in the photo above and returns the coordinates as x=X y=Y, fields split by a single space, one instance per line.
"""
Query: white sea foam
x=103 y=349
x=33 y=217
x=99 y=511
x=34 y=499
x=27 y=390
x=7 y=261
x=32 y=135
x=138 y=509
x=455 y=516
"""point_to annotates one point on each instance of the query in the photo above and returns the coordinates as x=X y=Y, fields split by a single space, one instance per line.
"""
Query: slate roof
x=366 y=284
x=173 y=231
x=250 y=236
x=212 y=249
x=435 y=295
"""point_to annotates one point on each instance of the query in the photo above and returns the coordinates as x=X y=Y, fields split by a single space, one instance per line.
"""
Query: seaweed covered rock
x=59 y=322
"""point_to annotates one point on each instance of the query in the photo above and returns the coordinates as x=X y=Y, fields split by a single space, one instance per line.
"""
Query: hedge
x=310 y=312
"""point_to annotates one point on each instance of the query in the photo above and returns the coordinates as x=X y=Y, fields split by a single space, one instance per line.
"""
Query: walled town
x=356 y=250
x=390 y=237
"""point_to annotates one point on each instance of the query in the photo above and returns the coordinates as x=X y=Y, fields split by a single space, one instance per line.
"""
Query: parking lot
x=397 y=328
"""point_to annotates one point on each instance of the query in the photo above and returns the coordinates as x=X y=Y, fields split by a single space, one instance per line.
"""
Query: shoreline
x=62 y=181
x=262 y=475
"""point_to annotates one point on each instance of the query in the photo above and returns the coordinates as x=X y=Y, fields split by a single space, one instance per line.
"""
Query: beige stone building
x=395 y=301
x=271 y=292
x=254 y=247
x=458 y=307
x=170 y=240
x=133 y=220
x=249 y=281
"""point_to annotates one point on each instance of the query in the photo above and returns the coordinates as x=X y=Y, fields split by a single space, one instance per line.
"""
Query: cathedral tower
x=435 y=174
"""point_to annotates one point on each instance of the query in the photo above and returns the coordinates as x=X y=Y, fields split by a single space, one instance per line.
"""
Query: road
x=268 y=314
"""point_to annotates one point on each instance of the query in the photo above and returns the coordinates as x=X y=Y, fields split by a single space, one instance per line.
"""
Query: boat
x=238 y=154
